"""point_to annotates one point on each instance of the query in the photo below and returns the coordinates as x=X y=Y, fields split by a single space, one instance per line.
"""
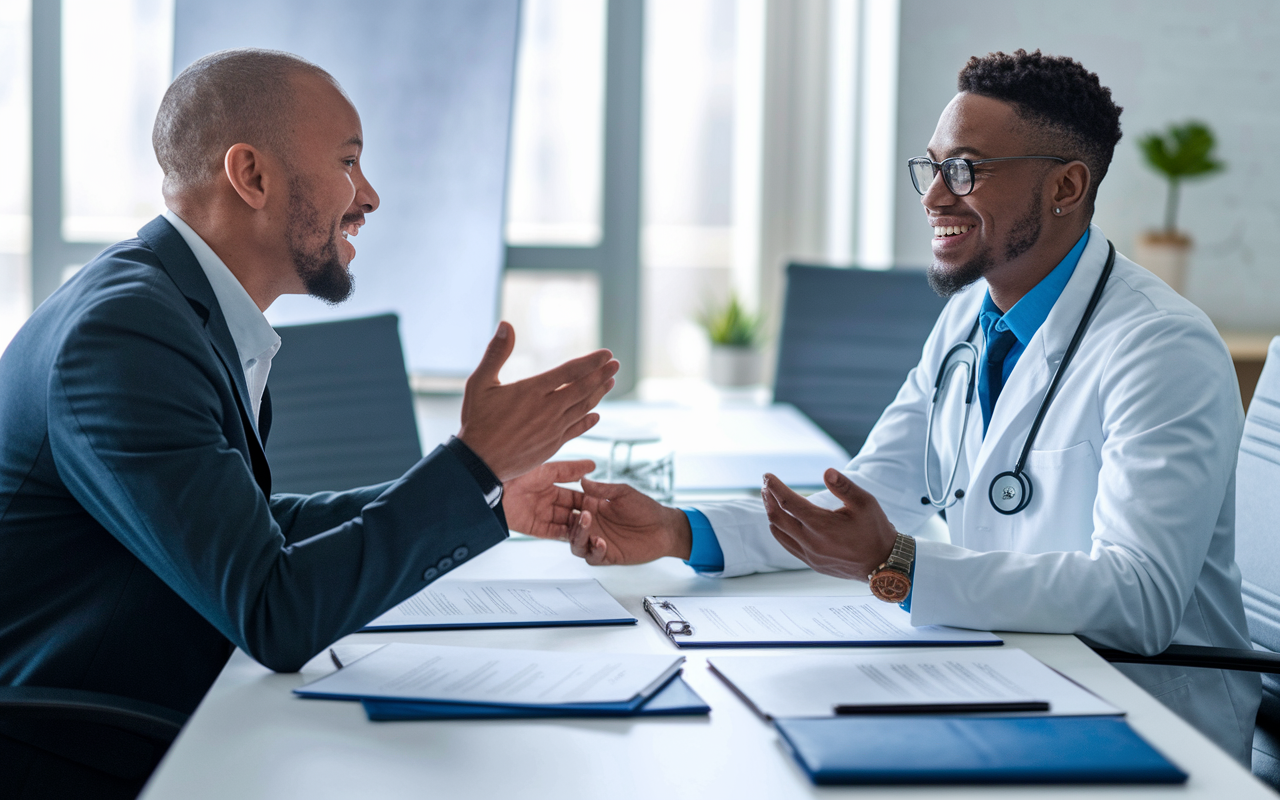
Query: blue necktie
x=998 y=346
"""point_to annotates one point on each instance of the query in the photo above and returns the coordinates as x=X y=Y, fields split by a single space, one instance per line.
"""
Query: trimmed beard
x=1024 y=235
x=319 y=268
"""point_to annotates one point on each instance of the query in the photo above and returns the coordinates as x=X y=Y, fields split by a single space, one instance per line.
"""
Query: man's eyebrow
x=354 y=140
x=957 y=152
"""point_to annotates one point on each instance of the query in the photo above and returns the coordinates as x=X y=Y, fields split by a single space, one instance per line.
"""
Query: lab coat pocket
x=1060 y=514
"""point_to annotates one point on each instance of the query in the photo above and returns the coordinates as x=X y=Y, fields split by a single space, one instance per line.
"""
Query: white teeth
x=950 y=230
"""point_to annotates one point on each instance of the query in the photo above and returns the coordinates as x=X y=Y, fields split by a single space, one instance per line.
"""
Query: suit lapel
x=181 y=265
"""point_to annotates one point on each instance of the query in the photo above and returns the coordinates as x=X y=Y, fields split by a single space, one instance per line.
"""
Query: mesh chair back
x=1258 y=547
x=342 y=409
x=849 y=338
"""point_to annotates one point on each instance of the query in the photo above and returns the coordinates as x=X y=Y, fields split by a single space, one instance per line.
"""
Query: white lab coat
x=1128 y=539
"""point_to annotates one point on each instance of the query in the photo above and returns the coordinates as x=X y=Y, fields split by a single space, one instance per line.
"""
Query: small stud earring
x=1057 y=211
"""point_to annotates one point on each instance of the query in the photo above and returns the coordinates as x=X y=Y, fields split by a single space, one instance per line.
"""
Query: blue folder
x=935 y=750
x=676 y=698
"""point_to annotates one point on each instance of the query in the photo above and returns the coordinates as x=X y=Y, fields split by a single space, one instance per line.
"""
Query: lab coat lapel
x=1025 y=390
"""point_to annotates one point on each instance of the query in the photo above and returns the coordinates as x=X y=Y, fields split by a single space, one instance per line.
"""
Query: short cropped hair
x=232 y=96
x=1071 y=108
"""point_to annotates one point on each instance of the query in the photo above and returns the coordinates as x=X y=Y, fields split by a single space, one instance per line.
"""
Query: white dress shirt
x=256 y=341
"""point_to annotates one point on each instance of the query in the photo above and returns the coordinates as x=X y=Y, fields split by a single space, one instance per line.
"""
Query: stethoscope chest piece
x=1010 y=492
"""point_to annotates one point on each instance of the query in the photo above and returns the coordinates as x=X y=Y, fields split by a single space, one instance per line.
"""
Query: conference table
x=252 y=738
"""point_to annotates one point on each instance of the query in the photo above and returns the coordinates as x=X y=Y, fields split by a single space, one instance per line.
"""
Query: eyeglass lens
x=955 y=173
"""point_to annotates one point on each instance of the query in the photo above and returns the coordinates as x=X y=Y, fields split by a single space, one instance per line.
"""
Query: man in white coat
x=1122 y=523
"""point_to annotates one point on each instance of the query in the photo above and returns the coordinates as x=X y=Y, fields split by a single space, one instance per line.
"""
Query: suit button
x=431 y=574
x=445 y=564
x=461 y=553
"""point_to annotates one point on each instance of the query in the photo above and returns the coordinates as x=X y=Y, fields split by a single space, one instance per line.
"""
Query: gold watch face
x=890 y=585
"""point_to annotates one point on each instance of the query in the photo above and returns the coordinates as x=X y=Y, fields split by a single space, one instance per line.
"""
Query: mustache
x=356 y=218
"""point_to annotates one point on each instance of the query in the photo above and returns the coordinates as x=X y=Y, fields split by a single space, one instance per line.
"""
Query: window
x=117 y=56
x=15 y=200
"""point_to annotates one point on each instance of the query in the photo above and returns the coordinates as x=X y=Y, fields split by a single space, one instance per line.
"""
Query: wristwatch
x=891 y=581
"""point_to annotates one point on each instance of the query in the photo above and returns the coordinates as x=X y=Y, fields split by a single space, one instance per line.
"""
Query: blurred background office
x=662 y=153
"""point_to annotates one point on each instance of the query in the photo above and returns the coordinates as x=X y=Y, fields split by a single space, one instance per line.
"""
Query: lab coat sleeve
x=1171 y=427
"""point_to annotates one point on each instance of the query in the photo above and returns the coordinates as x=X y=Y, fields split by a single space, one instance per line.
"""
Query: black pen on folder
x=944 y=708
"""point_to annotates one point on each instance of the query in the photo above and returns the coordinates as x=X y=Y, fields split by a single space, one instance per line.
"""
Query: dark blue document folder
x=928 y=750
x=676 y=698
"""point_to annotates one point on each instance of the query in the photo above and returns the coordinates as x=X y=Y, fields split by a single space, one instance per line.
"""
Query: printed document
x=494 y=676
x=813 y=685
x=510 y=604
x=797 y=621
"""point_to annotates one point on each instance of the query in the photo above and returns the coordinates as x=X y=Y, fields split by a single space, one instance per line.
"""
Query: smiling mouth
x=944 y=231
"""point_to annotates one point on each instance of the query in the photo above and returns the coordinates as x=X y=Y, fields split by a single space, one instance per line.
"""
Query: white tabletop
x=252 y=738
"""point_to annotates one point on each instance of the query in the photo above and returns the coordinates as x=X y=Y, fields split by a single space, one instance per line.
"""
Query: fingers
x=591 y=400
x=580 y=427
x=592 y=549
x=604 y=491
x=579 y=368
x=779 y=517
x=787 y=499
x=567 y=471
x=851 y=493
x=495 y=355
x=788 y=543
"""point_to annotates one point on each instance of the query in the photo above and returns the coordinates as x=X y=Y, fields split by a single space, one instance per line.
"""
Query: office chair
x=849 y=338
x=60 y=743
x=1258 y=555
x=341 y=407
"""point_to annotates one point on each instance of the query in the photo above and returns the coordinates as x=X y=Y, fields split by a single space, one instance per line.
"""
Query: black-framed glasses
x=957 y=173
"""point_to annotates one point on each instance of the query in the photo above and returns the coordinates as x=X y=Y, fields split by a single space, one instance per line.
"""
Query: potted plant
x=1186 y=151
x=735 y=335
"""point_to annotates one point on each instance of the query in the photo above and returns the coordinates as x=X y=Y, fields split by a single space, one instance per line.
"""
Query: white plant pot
x=1165 y=256
x=736 y=366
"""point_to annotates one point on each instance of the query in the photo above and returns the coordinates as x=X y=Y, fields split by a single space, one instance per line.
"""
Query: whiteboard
x=433 y=83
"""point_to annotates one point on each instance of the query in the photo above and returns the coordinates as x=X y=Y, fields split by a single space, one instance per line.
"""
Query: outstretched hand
x=514 y=427
x=536 y=506
x=848 y=542
x=619 y=525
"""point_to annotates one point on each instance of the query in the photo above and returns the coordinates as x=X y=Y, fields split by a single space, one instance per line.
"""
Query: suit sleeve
x=137 y=429
x=1171 y=426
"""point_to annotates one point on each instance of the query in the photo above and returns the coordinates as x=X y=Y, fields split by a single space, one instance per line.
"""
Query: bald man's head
x=229 y=97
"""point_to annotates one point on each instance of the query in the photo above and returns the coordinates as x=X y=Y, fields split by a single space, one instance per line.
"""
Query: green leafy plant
x=731 y=324
x=1186 y=151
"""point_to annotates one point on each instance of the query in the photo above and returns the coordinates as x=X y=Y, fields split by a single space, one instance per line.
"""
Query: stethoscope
x=1010 y=491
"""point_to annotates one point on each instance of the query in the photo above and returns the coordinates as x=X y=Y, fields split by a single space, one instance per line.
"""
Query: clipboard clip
x=660 y=610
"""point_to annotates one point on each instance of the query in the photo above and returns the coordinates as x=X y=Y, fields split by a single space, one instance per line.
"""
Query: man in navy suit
x=139 y=539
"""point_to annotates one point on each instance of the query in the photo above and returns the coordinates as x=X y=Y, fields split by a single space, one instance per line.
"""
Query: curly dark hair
x=1072 y=109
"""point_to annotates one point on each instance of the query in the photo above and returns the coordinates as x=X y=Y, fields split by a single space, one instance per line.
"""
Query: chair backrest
x=1258 y=517
x=849 y=338
x=342 y=410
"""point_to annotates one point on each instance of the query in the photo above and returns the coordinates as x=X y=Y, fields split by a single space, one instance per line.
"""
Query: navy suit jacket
x=139 y=540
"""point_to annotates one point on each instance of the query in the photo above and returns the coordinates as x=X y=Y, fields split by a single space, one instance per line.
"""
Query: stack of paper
x=419 y=681
x=451 y=603
x=904 y=682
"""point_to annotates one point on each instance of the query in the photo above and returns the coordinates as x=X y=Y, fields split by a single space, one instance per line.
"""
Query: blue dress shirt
x=1024 y=319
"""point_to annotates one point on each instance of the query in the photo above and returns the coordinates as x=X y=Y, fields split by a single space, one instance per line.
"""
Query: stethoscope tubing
x=948 y=498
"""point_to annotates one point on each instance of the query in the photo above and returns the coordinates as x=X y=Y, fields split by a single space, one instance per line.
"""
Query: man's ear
x=246 y=169
x=1071 y=188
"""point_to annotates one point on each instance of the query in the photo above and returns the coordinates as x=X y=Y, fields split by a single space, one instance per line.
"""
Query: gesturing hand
x=536 y=506
x=514 y=427
x=848 y=542
x=619 y=525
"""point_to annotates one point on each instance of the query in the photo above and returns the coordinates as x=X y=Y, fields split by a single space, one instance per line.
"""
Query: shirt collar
x=1029 y=313
x=253 y=335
